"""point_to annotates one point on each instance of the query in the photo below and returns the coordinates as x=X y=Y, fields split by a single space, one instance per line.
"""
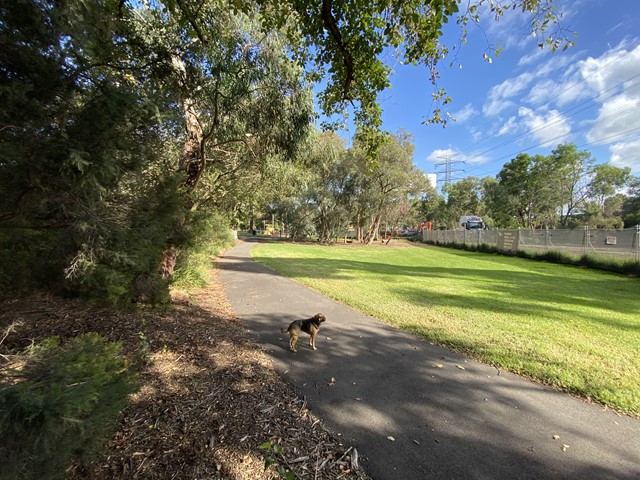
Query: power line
x=595 y=142
x=570 y=87
x=562 y=117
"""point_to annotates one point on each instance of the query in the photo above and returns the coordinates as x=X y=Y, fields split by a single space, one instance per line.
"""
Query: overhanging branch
x=330 y=23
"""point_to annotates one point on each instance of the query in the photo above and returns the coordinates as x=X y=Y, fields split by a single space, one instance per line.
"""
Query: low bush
x=59 y=404
x=600 y=262
x=207 y=236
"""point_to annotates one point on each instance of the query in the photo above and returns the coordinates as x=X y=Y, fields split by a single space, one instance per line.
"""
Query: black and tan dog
x=310 y=326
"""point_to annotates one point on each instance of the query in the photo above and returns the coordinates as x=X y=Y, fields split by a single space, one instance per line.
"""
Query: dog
x=310 y=326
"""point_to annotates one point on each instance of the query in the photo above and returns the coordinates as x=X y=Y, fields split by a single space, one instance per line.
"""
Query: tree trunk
x=192 y=159
x=192 y=156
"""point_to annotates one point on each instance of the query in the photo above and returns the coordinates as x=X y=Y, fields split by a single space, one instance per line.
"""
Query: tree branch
x=330 y=23
x=192 y=21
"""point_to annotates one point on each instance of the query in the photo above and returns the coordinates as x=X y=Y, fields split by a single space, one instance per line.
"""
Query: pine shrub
x=59 y=404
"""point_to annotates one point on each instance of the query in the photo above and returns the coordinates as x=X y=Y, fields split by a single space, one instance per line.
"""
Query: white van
x=471 y=222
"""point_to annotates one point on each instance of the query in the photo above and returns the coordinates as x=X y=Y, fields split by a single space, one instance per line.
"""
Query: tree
x=126 y=123
x=343 y=41
x=569 y=174
x=604 y=205
x=81 y=201
x=464 y=197
x=393 y=180
x=631 y=206
x=330 y=189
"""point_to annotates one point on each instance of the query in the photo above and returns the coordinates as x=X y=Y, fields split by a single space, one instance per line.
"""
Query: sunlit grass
x=573 y=328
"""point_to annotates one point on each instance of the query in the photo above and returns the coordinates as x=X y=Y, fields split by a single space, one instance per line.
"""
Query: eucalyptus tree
x=342 y=41
x=523 y=193
x=569 y=175
x=631 y=206
x=330 y=186
x=603 y=206
x=391 y=182
x=464 y=197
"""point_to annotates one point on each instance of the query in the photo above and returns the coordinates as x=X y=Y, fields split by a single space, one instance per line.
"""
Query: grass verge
x=573 y=328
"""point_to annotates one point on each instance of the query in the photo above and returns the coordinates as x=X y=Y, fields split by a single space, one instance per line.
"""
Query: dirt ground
x=209 y=396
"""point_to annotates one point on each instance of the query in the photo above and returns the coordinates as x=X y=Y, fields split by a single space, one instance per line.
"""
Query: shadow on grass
x=496 y=291
x=448 y=418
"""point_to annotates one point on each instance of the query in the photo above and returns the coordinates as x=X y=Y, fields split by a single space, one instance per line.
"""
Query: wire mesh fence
x=623 y=243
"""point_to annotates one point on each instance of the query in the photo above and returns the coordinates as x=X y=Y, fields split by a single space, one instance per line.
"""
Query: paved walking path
x=449 y=417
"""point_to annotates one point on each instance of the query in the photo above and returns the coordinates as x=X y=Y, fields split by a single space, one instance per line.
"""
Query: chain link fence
x=618 y=243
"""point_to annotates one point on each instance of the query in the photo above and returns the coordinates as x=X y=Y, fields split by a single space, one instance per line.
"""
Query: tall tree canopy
x=342 y=41
x=126 y=123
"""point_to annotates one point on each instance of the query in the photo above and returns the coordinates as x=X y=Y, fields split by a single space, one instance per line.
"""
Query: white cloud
x=549 y=91
x=626 y=154
x=499 y=98
x=509 y=127
x=615 y=67
x=454 y=154
x=616 y=118
x=439 y=155
x=547 y=128
x=465 y=114
x=615 y=76
x=534 y=57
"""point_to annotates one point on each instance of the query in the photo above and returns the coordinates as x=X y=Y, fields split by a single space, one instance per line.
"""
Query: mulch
x=209 y=396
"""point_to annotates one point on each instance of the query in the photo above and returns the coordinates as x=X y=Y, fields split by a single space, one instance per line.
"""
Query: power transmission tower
x=448 y=168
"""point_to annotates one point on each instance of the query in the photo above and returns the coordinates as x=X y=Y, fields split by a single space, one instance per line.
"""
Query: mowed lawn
x=570 y=327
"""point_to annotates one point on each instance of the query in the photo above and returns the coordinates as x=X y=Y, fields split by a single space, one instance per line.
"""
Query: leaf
x=391 y=438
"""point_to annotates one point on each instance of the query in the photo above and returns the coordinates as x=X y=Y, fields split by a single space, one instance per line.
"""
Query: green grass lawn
x=570 y=327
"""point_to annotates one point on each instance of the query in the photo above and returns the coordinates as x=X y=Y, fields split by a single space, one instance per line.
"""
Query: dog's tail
x=284 y=331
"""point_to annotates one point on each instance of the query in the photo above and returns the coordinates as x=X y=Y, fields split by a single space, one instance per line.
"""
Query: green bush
x=59 y=404
x=207 y=235
x=600 y=262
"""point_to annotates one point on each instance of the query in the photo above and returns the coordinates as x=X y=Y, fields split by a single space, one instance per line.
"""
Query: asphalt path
x=414 y=410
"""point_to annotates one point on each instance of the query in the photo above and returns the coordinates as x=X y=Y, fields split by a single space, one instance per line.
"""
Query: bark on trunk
x=192 y=157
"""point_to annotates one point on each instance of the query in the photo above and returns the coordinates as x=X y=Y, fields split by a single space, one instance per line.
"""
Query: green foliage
x=272 y=451
x=206 y=236
x=60 y=404
x=599 y=262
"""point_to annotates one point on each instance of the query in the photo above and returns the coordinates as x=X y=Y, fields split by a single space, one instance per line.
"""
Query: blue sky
x=528 y=99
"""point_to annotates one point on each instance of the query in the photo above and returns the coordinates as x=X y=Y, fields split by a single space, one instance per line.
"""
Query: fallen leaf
x=438 y=365
x=556 y=437
x=460 y=367
x=391 y=438
x=564 y=448
x=416 y=442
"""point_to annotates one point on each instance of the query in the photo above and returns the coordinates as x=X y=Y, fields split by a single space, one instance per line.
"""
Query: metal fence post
x=546 y=239
x=637 y=243
x=585 y=240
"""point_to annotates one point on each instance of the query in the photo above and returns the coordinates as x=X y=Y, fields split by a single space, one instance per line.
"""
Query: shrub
x=208 y=234
x=60 y=404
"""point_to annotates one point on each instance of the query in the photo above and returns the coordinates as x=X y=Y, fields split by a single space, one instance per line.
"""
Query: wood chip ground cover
x=209 y=396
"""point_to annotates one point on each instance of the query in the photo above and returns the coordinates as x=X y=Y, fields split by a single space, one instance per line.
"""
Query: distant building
x=433 y=179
